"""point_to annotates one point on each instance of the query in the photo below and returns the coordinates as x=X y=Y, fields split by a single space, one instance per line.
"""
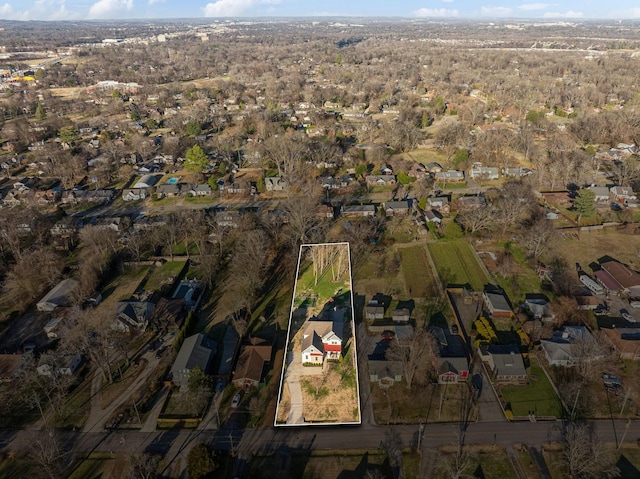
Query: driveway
x=99 y=416
x=295 y=370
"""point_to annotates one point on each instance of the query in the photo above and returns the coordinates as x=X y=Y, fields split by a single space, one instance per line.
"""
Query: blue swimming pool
x=173 y=181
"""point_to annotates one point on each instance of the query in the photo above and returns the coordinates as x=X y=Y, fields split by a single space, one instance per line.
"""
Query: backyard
x=456 y=263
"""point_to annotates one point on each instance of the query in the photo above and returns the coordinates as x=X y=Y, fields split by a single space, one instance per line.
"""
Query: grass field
x=397 y=404
x=123 y=286
x=538 y=396
x=418 y=277
x=161 y=274
x=457 y=264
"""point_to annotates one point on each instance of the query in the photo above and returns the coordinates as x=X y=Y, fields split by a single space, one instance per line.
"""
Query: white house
x=321 y=339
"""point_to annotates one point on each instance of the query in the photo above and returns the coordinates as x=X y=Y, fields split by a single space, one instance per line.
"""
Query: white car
x=626 y=315
x=235 y=401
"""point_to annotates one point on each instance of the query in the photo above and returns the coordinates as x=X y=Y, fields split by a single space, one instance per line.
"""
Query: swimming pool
x=173 y=181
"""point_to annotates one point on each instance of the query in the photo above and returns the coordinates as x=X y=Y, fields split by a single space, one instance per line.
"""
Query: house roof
x=453 y=365
x=385 y=369
x=251 y=362
x=58 y=295
x=557 y=351
x=358 y=208
x=507 y=359
x=197 y=350
x=606 y=279
x=509 y=364
x=312 y=340
x=624 y=275
x=498 y=302
x=396 y=205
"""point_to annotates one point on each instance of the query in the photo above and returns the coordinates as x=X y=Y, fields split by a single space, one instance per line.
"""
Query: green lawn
x=538 y=396
x=523 y=281
x=160 y=274
x=417 y=272
x=200 y=200
x=457 y=264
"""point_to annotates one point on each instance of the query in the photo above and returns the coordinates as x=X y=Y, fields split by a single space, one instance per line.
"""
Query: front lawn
x=538 y=396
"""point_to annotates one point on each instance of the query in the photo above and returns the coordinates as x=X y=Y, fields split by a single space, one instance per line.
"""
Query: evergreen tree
x=196 y=159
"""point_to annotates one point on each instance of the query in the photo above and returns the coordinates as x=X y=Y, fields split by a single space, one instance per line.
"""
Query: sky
x=465 y=9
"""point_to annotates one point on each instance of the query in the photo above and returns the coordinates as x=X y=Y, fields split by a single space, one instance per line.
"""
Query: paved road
x=319 y=437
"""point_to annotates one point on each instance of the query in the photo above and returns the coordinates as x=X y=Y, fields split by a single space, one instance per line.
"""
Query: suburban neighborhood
x=319 y=249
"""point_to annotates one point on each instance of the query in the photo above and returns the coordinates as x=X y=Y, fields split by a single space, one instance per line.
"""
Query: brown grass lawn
x=122 y=287
x=319 y=465
x=414 y=279
x=397 y=405
x=485 y=461
x=334 y=403
x=621 y=245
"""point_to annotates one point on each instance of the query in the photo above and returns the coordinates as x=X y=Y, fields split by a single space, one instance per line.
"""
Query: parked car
x=235 y=401
x=388 y=334
x=626 y=315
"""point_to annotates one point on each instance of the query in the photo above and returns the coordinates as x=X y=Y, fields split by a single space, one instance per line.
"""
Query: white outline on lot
x=295 y=417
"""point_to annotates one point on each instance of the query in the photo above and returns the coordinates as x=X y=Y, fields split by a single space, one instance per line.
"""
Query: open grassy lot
x=161 y=274
x=426 y=155
x=457 y=264
x=418 y=277
x=319 y=465
x=397 y=404
x=538 y=396
x=591 y=245
x=487 y=462
x=123 y=286
x=518 y=278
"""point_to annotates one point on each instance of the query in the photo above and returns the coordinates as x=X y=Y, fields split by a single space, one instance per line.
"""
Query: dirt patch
x=285 y=404
x=328 y=397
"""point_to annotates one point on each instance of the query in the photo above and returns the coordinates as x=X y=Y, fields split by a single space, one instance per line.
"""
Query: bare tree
x=143 y=465
x=47 y=451
x=585 y=456
x=476 y=220
x=538 y=237
x=415 y=356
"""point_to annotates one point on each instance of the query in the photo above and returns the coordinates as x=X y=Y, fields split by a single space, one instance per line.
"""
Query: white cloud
x=569 y=14
x=447 y=1
x=435 y=12
x=6 y=10
x=40 y=10
x=231 y=8
x=535 y=6
x=153 y=2
x=110 y=8
x=496 y=11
